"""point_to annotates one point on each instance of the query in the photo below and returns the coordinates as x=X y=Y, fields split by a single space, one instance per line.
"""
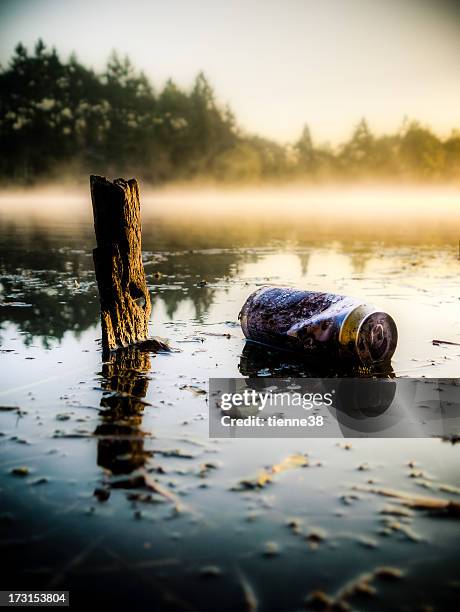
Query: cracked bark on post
x=124 y=296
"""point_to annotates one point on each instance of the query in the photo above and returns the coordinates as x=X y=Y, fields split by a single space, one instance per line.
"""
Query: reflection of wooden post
x=120 y=448
x=123 y=292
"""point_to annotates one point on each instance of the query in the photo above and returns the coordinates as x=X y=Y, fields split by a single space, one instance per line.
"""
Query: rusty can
x=319 y=324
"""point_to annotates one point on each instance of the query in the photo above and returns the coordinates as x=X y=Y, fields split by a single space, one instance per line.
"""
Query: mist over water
x=421 y=214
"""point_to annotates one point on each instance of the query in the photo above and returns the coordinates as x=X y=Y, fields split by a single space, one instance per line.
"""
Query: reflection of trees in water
x=304 y=259
x=208 y=232
x=55 y=306
x=58 y=283
x=63 y=295
x=38 y=247
x=359 y=255
x=39 y=268
x=191 y=269
x=125 y=383
x=51 y=269
x=201 y=299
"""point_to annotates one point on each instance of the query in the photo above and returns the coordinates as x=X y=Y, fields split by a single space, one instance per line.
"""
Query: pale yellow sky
x=278 y=63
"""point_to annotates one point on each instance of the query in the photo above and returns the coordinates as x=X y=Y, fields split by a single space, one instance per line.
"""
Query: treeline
x=60 y=119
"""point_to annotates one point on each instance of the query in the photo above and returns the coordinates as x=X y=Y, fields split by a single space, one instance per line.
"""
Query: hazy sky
x=278 y=63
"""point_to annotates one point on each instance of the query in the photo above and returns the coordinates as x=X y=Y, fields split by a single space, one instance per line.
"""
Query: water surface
x=84 y=444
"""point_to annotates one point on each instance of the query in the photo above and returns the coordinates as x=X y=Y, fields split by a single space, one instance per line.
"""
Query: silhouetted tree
x=306 y=154
x=358 y=154
x=422 y=152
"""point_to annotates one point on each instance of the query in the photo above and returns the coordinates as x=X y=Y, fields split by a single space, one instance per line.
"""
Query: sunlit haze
x=330 y=211
x=278 y=64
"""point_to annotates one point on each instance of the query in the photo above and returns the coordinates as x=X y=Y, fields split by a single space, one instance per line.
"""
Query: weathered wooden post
x=123 y=292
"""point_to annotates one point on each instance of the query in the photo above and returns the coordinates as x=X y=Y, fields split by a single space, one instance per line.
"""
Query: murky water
x=109 y=482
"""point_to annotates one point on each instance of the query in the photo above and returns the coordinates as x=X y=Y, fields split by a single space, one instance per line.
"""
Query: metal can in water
x=316 y=324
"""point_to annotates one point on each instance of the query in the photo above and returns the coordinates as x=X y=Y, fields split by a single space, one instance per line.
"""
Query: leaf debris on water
x=271 y=549
x=210 y=571
x=251 y=603
x=145 y=481
x=266 y=476
x=20 y=471
x=194 y=389
x=396 y=511
x=315 y=536
x=446 y=507
x=175 y=452
x=362 y=585
x=222 y=335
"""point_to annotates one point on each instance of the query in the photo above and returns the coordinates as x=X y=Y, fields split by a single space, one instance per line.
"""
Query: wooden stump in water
x=123 y=292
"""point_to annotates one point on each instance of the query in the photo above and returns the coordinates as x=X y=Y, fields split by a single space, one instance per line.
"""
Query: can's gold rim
x=351 y=327
x=349 y=330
